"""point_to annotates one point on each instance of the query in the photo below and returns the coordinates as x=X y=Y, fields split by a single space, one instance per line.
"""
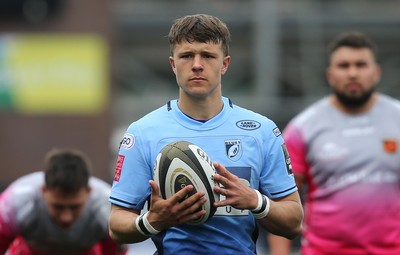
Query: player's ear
x=225 y=64
x=328 y=76
x=43 y=190
x=172 y=63
x=378 y=74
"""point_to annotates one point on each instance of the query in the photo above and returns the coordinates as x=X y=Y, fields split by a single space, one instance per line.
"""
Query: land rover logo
x=248 y=124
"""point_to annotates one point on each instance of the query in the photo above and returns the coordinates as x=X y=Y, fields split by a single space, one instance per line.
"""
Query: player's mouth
x=197 y=79
x=353 y=86
x=65 y=225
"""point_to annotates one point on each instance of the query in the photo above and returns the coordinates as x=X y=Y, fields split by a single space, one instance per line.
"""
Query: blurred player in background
x=345 y=148
x=258 y=183
x=61 y=210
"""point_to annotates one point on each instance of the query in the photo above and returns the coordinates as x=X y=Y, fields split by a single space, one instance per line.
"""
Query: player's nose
x=197 y=63
x=66 y=218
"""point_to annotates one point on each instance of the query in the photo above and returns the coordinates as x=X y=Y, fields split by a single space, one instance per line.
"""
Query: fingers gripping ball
x=180 y=164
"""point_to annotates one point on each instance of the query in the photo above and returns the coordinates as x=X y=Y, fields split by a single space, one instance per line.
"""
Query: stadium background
x=278 y=63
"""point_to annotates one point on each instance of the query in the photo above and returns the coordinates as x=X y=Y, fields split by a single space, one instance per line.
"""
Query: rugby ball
x=181 y=163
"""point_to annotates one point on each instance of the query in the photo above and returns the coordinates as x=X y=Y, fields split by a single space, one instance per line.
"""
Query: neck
x=200 y=108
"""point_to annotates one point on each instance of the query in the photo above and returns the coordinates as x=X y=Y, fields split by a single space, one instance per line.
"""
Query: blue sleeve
x=131 y=186
x=277 y=179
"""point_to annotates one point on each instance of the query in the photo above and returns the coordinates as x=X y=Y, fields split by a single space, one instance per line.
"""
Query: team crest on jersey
x=288 y=162
x=127 y=141
x=233 y=149
x=390 y=145
x=118 y=167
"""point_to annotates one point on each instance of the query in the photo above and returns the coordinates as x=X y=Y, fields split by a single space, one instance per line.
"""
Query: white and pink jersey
x=352 y=167
x=24 y=217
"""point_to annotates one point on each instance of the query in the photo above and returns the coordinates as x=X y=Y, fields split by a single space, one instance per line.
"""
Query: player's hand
x=177 y=209
x=238 y=195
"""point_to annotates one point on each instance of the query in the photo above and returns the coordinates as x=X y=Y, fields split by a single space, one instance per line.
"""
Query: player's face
x=198 y=68
x=65 y=209
x=353 y=74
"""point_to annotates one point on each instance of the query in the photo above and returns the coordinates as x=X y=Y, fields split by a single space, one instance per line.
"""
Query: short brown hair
x=199 y=28
x=352 y=39
x=67 y=170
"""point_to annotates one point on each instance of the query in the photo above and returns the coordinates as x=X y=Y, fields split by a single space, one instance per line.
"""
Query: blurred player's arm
x=5 y=241
x=7 y=235
x=110 y=247
x=279 y=245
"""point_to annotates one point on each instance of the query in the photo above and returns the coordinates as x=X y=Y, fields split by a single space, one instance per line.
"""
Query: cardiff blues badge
x=233 y=149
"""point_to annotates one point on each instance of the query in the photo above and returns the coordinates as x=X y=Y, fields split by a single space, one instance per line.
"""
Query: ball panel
x=206 y=171
x=178 y=176
x=182 y=181
x=180 y=164
x=159 y=174
x=167 y=154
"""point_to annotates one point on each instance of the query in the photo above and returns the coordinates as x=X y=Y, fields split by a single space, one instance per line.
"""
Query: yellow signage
x=54 y=74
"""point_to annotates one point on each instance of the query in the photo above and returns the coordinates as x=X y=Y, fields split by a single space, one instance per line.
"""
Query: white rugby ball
x=180 y=164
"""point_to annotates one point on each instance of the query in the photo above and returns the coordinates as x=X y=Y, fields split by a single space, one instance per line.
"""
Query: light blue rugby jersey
x=247 y=143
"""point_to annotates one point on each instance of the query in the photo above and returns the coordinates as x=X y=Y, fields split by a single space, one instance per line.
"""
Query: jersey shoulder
x=158 y=114
x=149 y=121
x=241 y=115
x=389 y=103
x=20 y=201
x=260 y=125
x=24 y=189
x=318 y=110
x=98 y=205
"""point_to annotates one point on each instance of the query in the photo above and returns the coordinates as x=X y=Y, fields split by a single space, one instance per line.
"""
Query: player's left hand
x=238 y=195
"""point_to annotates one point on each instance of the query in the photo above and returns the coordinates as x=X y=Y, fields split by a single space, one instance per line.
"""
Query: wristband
x=144 y=226
x=262 y=208
x=259 y=203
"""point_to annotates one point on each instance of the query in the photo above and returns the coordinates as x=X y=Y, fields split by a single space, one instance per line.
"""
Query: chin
x=197 y=94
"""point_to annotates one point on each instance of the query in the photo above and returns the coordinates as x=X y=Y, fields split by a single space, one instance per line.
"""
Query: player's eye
x=361 y=64
x=208 y=56
x=343 y=65
x=58 y=207
x=74 y=207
